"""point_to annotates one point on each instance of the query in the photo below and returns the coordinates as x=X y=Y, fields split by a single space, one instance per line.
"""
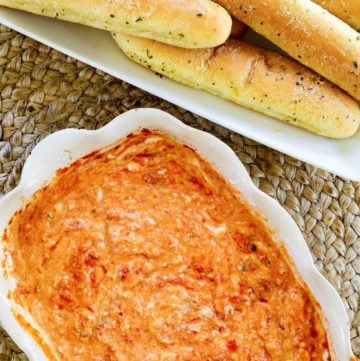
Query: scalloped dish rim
x=63 y=147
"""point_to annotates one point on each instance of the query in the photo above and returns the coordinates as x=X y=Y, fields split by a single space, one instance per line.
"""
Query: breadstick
x=189 y=24
x=254 y=78
x=238 y=28
x=347 y=10
x=308 y=33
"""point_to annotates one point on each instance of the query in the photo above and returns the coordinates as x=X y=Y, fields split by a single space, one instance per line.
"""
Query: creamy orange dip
x=144 y=252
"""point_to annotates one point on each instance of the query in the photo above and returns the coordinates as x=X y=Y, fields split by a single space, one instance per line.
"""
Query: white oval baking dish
x=63 y=147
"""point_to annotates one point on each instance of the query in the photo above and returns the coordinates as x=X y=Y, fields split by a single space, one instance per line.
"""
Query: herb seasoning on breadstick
x=189 y=24
x=254 y=78
x=308 y=33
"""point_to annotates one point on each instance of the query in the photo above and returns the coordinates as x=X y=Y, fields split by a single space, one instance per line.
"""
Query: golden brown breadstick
x=254 y=78
x=347 y=10
x=309 y=34
x=238 y=28
x=190 y=24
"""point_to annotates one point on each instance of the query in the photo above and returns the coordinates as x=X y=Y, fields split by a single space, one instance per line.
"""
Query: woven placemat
x=42 y=90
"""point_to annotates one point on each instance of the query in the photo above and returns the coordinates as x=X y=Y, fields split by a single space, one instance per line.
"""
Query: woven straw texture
x=42 y=90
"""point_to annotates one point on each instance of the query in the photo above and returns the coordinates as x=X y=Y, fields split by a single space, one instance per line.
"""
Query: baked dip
x=143 y=251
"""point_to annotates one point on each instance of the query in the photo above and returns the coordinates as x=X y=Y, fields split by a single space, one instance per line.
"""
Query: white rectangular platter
x=97 y=48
